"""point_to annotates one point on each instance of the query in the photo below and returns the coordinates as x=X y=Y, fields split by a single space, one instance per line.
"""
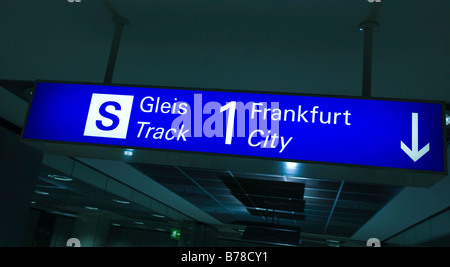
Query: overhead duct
x=274 y=200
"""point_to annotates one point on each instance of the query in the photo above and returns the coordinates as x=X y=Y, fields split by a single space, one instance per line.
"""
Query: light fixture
x=90 y=208
x=290 y=169
x=64 y=213
x=291 y=165
x=41 y=192
x=59 y=177
x=115 y=224
x=128 y=152
x=139 y=223
x=333 y=243
x=121 y=201
x=447 y=119
x=158 y=216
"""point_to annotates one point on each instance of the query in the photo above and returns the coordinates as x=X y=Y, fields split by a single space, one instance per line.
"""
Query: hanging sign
x=324 y=129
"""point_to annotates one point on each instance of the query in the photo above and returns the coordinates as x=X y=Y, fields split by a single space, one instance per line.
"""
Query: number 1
x=230 y=122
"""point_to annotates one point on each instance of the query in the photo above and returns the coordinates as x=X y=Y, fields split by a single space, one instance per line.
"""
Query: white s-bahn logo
x=109 y=116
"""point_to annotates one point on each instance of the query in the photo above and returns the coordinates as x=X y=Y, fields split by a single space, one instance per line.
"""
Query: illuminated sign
x=175 y=233
x=323 y=129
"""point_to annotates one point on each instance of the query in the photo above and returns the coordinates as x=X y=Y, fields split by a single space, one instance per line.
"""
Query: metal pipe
x=367 y=28
x=120 y=23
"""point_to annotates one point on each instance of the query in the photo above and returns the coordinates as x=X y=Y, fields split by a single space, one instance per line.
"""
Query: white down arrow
x=414 y=153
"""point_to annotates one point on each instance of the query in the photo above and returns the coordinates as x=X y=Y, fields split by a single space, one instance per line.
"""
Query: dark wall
x=19 y=169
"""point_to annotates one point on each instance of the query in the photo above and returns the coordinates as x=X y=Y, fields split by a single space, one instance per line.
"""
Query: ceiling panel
x=317 y=206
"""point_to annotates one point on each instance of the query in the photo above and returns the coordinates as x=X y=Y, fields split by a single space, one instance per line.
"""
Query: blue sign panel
x=355 y=131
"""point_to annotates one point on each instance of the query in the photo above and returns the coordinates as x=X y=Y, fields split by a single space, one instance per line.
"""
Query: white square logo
x=109 y=116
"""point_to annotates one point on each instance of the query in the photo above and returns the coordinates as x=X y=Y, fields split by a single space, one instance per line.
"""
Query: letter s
x=104 y=113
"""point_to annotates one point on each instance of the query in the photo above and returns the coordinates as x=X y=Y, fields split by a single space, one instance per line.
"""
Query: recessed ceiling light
x=291 y=168
x=90 y=208
x=128 y=152
x=63 y=213
x=291 y=165
x=121 y=201
x=41 y=192
x=447 y=119
x=158 y=216
x=139 y=223
x=60 y=177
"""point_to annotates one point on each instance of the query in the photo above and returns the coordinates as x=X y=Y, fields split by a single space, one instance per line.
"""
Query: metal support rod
x=367 y=28
x=334 y=206
x=120 y=23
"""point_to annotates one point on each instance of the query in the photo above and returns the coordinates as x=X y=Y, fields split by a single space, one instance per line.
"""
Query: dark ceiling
x=316 y=206
x=288 y=46
x=319 y=209
x=63 y=194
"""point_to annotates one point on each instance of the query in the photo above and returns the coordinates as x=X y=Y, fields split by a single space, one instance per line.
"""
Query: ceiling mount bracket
x=367 y=28
x=120 y=23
